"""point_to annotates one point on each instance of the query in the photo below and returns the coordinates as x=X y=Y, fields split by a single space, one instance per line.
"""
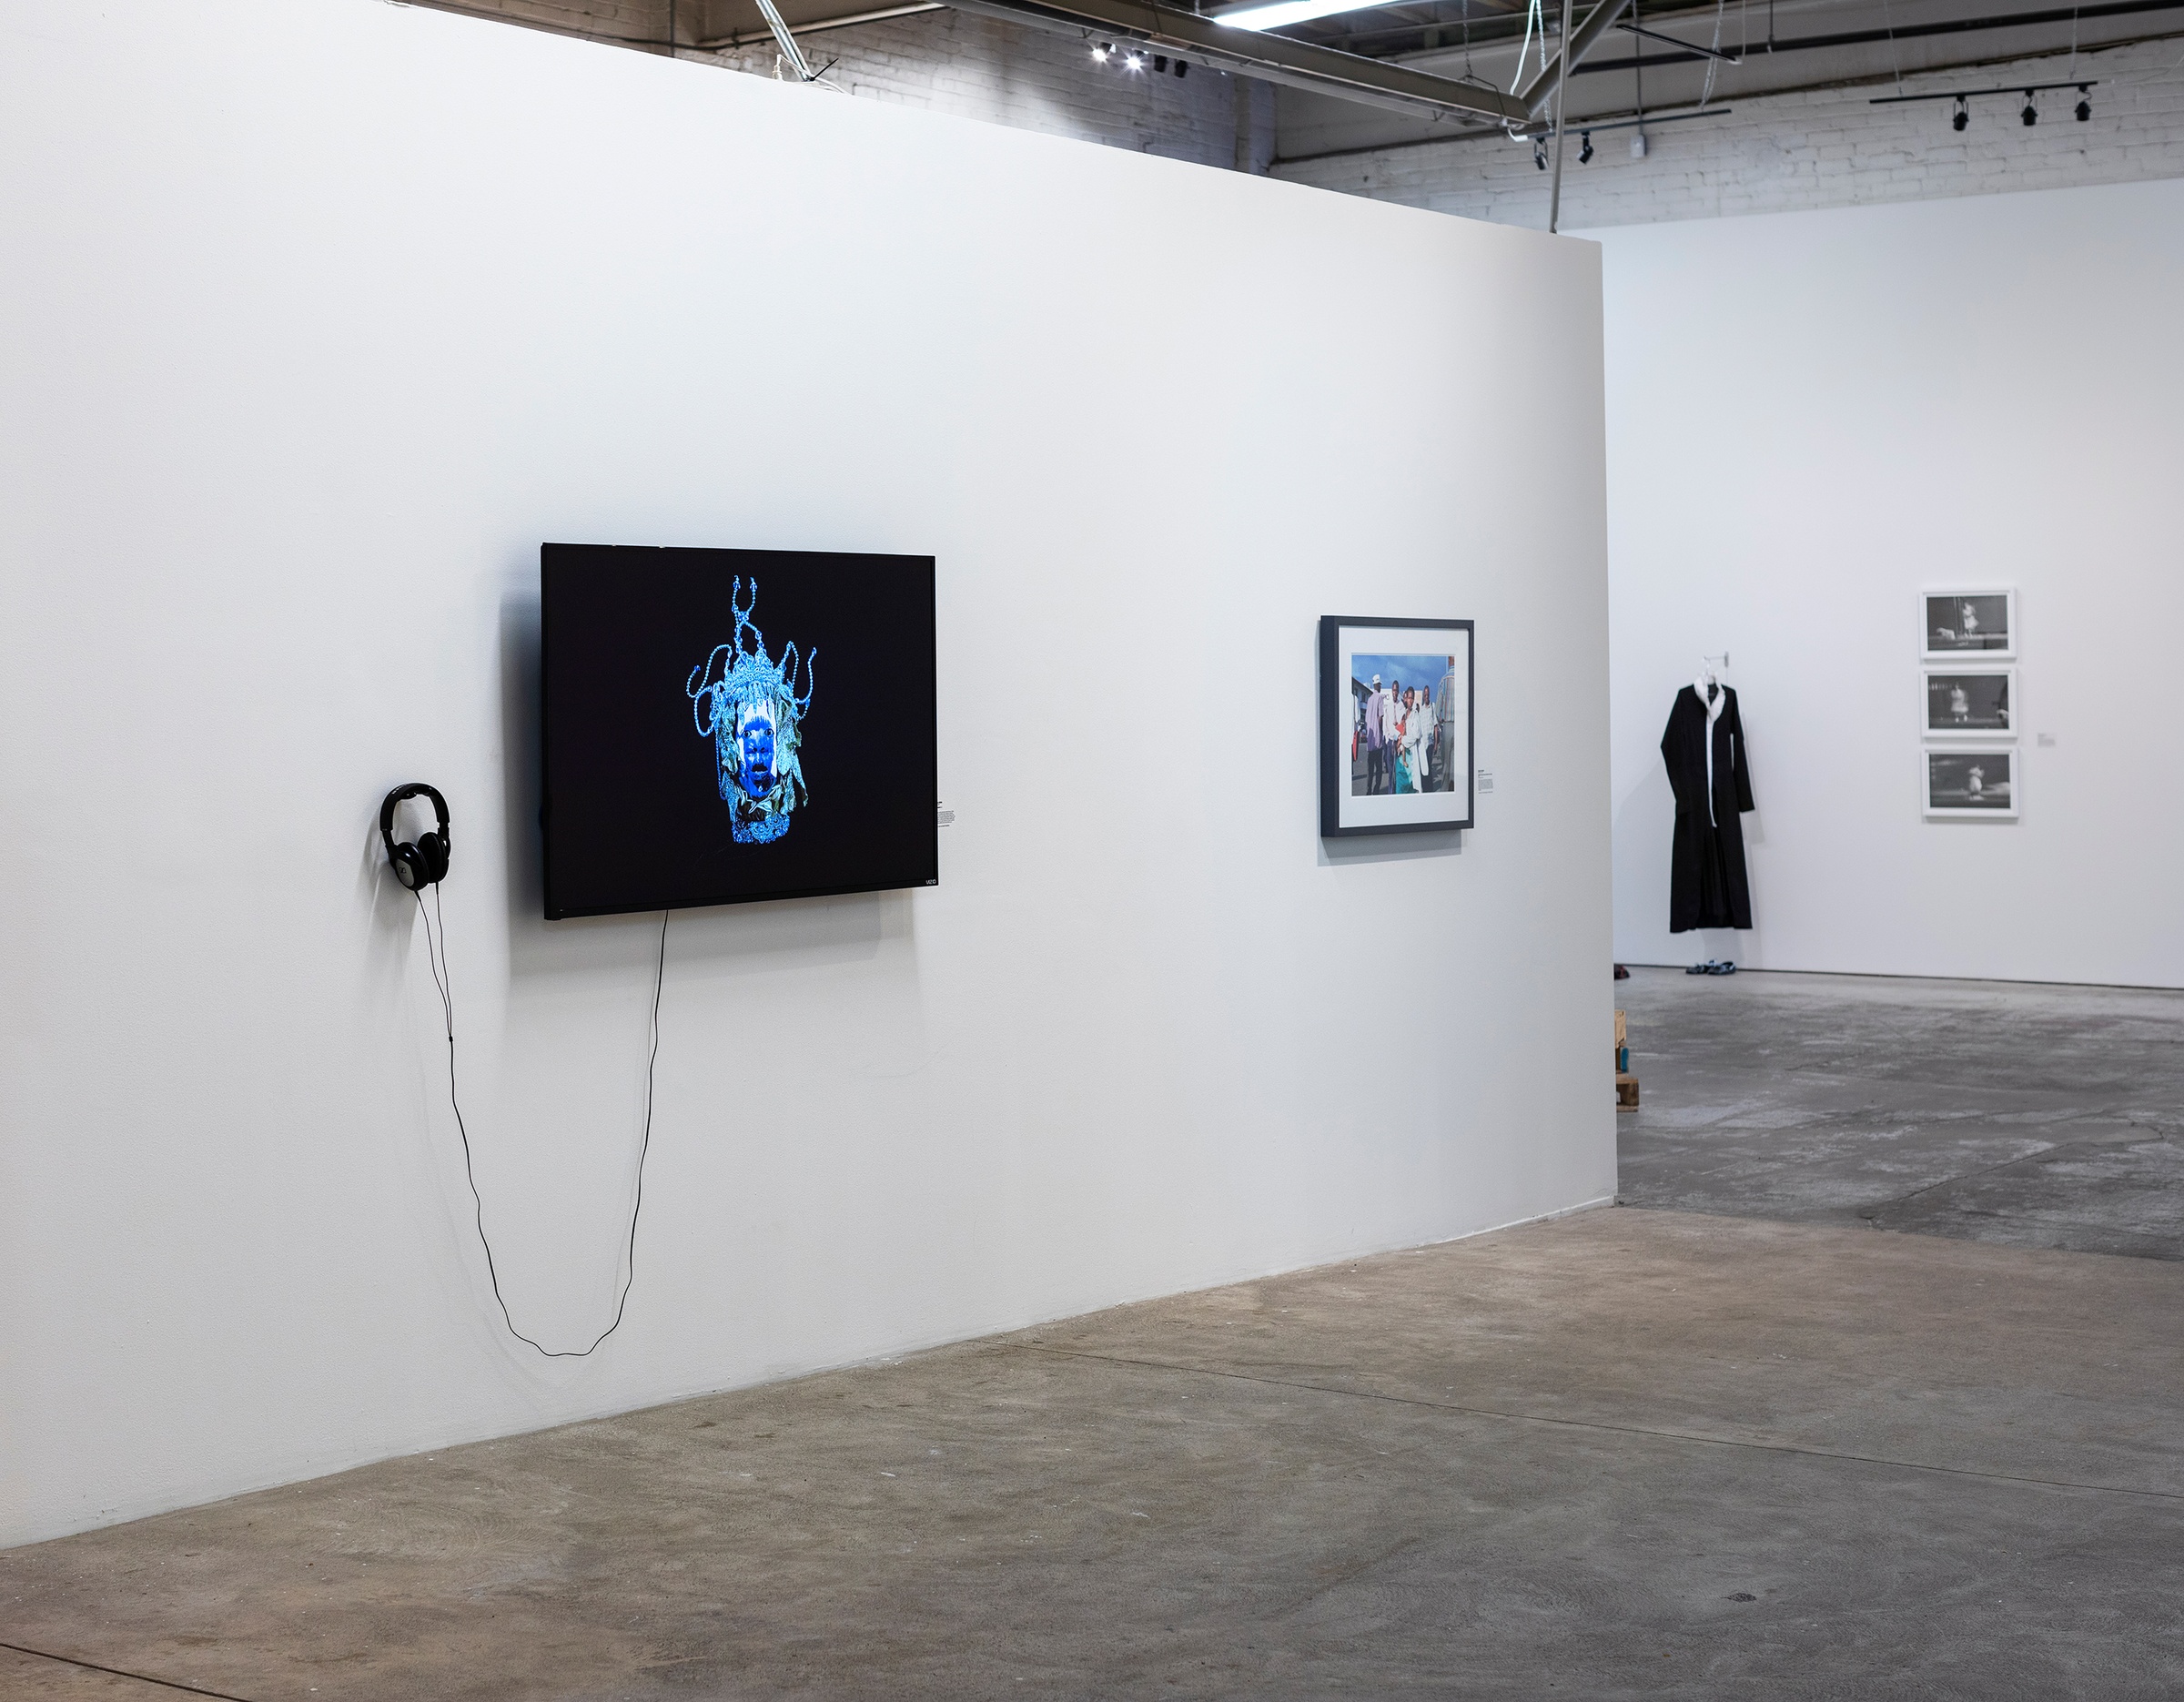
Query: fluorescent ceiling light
x=1282 y=13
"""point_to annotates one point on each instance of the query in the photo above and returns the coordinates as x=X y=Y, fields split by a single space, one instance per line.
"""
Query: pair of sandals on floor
x=1713 y=966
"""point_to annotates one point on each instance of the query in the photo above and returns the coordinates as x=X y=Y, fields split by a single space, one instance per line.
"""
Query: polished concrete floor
x=1996 y=1111
x=1628 y=1454
x=1625 y=1454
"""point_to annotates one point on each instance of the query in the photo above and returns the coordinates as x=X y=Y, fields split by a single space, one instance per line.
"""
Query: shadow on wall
x=1646 y=825
x=741 y=938
x=1393 y=848
x=392 y=908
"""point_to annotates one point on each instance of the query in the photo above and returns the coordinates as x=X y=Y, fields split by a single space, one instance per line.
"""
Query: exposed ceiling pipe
x=1949 y=26
x=1488 y=34
x=1532 y=133
x=1562 y=85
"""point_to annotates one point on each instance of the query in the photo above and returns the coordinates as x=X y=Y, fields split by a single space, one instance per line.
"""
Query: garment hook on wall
x=1711 y=669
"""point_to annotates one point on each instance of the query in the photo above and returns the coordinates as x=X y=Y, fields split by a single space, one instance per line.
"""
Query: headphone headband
x=413 y=789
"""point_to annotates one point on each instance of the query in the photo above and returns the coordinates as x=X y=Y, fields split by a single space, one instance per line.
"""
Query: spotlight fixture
x=1160 y=65
x=1182 y=68
x=1539 y=152
x=1134 y=61
x=1103 y=52
x=1585 y=148
x=2029 y=112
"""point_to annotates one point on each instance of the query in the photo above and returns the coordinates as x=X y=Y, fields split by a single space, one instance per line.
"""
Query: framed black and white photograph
x=1969 y=783
x=1976 y=702
x=1395 y=725
x=1959 y=624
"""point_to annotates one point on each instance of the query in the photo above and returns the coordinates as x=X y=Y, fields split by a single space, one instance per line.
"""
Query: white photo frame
x=1961 y=625
x=1971 y=783
x=1970 y=701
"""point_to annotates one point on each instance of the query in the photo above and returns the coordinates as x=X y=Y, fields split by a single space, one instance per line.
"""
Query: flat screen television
x=723 y=725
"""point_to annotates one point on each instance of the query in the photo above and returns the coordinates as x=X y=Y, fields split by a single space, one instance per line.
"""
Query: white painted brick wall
x=1824 y=148
x=1773 y=153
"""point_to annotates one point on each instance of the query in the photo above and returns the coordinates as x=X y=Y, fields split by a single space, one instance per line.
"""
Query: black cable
x=168 y=1683
x=444 y=980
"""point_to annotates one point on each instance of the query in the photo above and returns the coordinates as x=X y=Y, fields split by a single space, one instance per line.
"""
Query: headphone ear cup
x=432 y=851
x=409 y=867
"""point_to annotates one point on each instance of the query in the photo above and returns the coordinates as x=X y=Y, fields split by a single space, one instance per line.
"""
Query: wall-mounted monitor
x=722 y=725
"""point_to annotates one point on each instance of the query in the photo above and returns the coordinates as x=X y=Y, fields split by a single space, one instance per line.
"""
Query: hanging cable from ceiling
x=1713 y=62
x=1894 y=54
x=1469 y=75
x=1532 y=17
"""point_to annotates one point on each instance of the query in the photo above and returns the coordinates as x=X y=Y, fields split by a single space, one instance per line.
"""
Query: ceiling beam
x=1270 y=59
x=814 y=26
x=1536 y=93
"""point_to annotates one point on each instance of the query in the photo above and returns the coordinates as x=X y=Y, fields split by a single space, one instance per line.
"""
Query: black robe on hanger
x=1707 y=883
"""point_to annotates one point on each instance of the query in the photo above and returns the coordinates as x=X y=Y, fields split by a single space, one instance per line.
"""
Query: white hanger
x=1711 y=669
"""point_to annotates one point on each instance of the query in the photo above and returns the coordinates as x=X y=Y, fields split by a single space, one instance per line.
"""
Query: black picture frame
x=1435 y=811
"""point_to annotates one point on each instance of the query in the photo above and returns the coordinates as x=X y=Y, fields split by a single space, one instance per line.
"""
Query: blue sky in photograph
x=1411 y=670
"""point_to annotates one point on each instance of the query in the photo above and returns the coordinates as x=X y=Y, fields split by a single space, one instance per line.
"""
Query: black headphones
x=425 y=862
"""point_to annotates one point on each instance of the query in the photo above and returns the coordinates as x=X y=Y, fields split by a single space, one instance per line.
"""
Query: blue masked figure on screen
x=747 y=704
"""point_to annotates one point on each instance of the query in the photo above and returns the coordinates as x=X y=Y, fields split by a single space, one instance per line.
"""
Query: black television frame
x=567 y=913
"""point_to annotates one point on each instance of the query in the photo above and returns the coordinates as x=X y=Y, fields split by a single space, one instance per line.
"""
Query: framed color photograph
x=1981 y=702
x=1960 y=623
x=1395 y=725
x=1966 y=784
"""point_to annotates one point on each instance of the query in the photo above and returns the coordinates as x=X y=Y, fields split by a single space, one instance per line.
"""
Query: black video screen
x=722 y=726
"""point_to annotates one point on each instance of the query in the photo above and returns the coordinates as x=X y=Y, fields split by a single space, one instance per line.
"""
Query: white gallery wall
x=1812 y=416
x=317 y=320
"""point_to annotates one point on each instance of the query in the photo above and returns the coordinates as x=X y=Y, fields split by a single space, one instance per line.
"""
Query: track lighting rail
x=2080 y=85
x=1651 y=120
x=1629 y=28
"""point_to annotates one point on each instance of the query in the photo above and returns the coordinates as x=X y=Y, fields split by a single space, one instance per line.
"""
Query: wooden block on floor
x=1622 y=1035
x=1626 y=1091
